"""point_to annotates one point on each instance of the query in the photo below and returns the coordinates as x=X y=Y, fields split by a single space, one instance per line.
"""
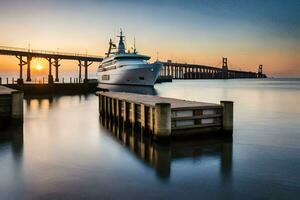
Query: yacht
x=127 y=68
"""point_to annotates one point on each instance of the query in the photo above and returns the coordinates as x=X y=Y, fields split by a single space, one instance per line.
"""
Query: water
x=66 y=153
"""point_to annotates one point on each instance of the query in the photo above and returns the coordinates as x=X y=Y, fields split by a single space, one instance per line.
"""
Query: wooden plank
x=149 y=100
x=196 y=117
x=6 y=90
x=197 y=126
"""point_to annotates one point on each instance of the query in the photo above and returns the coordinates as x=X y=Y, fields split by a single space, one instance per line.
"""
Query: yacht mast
x=121 y=46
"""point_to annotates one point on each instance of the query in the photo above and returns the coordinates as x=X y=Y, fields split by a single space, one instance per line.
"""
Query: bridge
x=25 y=56
x=170 y=69
x=194 y=71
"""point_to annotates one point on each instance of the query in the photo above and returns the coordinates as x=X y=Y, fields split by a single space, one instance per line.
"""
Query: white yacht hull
x=132 y=74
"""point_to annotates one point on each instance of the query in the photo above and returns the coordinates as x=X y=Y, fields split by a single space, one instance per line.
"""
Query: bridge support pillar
x=180 y=72
x=174 y=72
x=21 y=64
x=86 y=65
x=29 y=58
x=79 y=73
x=56 y=65
x=50 y=76
x=165 y=70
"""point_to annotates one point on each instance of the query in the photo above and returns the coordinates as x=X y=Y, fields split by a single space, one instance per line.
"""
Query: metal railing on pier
x=41 y=80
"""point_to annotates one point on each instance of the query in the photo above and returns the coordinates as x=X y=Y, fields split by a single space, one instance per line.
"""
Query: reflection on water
x=13 y=135
x=65 y=153
x=160 y=156
x=11 y=159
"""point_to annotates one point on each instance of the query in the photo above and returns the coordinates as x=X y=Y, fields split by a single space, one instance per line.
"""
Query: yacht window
x=142 y=78
x=105 y=77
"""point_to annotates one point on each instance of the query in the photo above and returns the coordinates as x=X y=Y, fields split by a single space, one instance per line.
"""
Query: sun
x=39 y=67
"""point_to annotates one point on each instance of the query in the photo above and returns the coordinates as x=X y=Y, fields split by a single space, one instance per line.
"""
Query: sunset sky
x=248 y=32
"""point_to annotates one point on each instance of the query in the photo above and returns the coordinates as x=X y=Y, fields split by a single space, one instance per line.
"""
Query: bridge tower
x=224 y=68
x=260 y=71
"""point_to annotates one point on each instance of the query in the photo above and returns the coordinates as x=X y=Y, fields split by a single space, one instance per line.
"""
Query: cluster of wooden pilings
x=164 y=118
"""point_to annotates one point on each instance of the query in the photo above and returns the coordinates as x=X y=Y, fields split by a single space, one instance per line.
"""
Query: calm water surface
x=66 y=153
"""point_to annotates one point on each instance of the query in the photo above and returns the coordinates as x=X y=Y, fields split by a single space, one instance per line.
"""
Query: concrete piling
x=118 y=108
x=143 y=116
x=100 y=105
x=227 y=115
x=17 y=106
x=109 y=106
x=132 y=113
x=124 y=111
x=162 y=123
x=113 y=112
x=11 y=106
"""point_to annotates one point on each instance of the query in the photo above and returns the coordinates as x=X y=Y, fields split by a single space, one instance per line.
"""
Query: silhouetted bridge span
x=193 y=71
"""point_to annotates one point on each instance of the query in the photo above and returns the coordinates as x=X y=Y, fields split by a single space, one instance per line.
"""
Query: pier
x=62 y=88
x=11 y=106
x=165 y=118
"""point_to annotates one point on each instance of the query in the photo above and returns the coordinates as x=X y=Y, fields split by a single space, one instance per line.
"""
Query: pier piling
x=11 y=106
x=17 y=105
x=227 y=115
x=162 y=122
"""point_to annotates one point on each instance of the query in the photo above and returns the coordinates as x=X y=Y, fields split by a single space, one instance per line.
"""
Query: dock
x=165 y=117
x=11 y=106
x=55 y=89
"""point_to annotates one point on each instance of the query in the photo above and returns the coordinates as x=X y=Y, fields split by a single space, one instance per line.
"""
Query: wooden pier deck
x=151 y=100
x=166 y=117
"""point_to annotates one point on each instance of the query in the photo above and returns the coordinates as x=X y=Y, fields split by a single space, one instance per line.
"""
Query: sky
x=248 y=32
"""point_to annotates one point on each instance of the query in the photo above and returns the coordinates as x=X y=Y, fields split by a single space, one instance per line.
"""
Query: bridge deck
x=48 y=54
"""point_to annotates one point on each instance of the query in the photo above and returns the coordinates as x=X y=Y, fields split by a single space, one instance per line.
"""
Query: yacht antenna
x=157 y=55
x=111 y=46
